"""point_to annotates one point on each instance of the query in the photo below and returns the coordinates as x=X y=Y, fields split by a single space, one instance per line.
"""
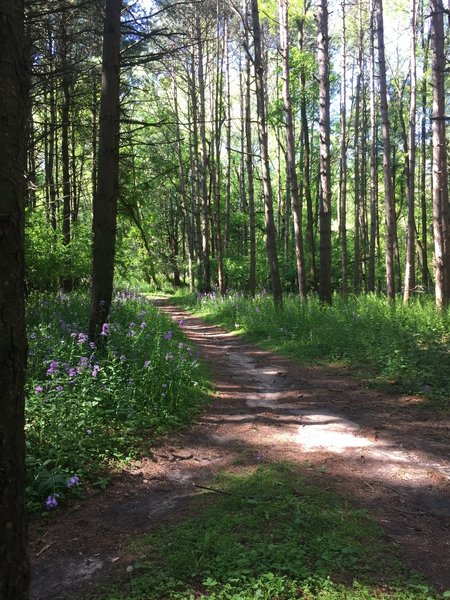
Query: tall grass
x=86 y=407
x=406 y=345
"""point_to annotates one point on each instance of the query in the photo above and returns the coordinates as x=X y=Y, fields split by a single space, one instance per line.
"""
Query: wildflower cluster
x=85 y=405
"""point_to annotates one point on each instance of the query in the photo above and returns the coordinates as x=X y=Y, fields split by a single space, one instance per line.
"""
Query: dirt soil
x=384 y=452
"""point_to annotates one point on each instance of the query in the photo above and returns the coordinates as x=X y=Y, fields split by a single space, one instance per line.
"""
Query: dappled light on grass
x=268 y=533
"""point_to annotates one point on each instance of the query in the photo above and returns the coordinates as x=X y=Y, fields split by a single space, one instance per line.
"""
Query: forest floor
x=386 y=453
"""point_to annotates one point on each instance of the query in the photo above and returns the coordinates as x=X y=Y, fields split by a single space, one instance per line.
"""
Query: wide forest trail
x=381 y=451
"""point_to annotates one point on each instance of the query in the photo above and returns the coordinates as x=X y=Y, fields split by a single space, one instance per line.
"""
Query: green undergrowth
x=87 y=408
x=268 y=534
x=404 y=348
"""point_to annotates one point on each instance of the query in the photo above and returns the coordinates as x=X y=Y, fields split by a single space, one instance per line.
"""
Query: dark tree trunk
x=105 y=201
x=14 y=576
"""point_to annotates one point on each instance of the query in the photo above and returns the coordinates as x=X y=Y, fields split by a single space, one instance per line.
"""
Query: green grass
x=407 y=347
x=87 y=409
x=272 y=535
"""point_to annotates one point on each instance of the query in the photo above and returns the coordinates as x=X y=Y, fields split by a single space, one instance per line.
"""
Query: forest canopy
x=293 y=147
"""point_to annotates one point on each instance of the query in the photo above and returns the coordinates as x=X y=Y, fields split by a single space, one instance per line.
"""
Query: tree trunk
x=183 y=189
x=343 y=158
x=357 y=181
x=292 y=181
x=218 y=118
x=249 y=162
x=306 y=168
x=14 y=574
x=105 y=201
x=271 y=236
x=228 y=142
x=205 y=283
x=387 y=169
x=440 y=179
x=423 y=173
x=325 y=163
x=410 y=280
x=373 y=164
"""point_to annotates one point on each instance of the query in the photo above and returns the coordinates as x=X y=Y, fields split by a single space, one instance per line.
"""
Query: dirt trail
x=379 y=450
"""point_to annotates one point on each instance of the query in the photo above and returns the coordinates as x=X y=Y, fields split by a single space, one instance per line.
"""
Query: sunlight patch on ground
x=329 y=432
x=266 y=400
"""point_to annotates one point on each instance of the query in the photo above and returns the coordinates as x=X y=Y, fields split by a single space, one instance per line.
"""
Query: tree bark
x=387 y=168
x=440 y=178
x=205 y=283
x=14 y=574
x=249 y=161
x=105 y=201
x=324 y=161
x=373 y=164
x=271 y=236
x=306 y=166
x=343 y=157
x=292 y=180
x=410 y=280
x=183 y=188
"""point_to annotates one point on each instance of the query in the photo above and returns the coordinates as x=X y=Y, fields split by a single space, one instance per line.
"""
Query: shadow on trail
x=265 y=409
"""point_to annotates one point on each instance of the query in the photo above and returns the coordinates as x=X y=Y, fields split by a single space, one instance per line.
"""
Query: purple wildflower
x=72 y=373
x=105 y=329
x=74 y=480
x=59 y=388
x=38 y=389
x=147 y=364
x=123 y=358
x=83 y=361
x=92 y=346
x=53 y=368
x=181 y=322
x=168 y=335
x=89 y=431
x=82 y=338
x=74 y=334
x=143 y=325
x=51 y=502
x=258 y=309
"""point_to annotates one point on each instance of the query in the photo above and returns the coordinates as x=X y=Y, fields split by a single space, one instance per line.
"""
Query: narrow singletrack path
x=379 y=450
